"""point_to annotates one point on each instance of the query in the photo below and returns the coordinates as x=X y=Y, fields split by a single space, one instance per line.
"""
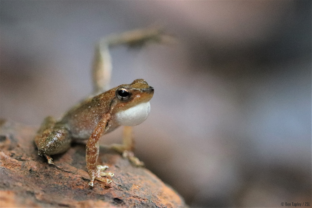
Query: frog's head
x=131 y=104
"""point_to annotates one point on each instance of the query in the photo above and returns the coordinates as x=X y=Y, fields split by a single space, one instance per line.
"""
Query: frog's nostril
x=148 y=90
x=151 y=89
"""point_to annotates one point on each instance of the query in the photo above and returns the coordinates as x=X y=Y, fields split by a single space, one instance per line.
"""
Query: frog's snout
x=151 y=89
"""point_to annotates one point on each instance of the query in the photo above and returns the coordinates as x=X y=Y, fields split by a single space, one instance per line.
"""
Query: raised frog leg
x=102 y=64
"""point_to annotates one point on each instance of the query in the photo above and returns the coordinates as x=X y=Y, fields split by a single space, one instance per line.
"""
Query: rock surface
x=27 y=180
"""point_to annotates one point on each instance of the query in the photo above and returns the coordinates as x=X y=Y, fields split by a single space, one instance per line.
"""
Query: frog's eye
x=123 y=94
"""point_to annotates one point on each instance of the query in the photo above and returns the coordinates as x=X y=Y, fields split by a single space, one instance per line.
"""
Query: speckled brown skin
x=96 y=115
x=52 y=138
x=92 y=150
x=83 y=118
x=90 y=119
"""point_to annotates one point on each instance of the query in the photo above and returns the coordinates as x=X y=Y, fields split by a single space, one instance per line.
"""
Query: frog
x=103 y=111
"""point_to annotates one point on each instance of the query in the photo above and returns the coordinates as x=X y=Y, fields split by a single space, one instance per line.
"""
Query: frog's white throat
x=134 y=115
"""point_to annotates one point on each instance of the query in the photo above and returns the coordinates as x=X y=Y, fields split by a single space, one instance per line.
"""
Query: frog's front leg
x=92 y=154
x=127 y=147
x=52 y=138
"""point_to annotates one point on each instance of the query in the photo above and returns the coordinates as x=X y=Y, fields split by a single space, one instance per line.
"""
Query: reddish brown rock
x=27 y=180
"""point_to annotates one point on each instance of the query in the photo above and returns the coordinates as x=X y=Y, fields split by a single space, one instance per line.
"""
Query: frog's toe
x=104 y=176
x=134 y=160
x=102 y=167
x=50 y=159
x=106 y=181
x=107 y=174
x=91 y=183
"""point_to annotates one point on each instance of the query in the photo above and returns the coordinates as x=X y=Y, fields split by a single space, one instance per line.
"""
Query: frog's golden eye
x=123 y=94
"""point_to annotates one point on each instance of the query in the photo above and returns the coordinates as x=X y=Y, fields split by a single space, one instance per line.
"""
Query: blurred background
x=231 y=116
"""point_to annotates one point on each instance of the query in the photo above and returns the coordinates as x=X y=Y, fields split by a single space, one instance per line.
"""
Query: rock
x=27 y=180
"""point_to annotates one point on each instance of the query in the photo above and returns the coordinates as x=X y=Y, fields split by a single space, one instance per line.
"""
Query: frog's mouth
x=146 y=94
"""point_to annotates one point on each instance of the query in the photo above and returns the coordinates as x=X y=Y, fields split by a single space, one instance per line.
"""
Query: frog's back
x=82 y=119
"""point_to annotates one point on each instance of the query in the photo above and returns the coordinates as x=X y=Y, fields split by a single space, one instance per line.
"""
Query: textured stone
x=27 y=180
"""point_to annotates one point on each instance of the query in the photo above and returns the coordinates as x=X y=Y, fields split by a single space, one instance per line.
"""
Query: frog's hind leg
x=52 y=138
x=127 y=147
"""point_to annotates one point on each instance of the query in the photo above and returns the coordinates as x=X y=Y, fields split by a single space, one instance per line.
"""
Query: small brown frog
x=126 y=105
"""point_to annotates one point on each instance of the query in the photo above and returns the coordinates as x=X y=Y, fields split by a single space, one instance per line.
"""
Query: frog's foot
x=127 y=147
x=50 y=159
x=134 y=160
x=102 y=176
